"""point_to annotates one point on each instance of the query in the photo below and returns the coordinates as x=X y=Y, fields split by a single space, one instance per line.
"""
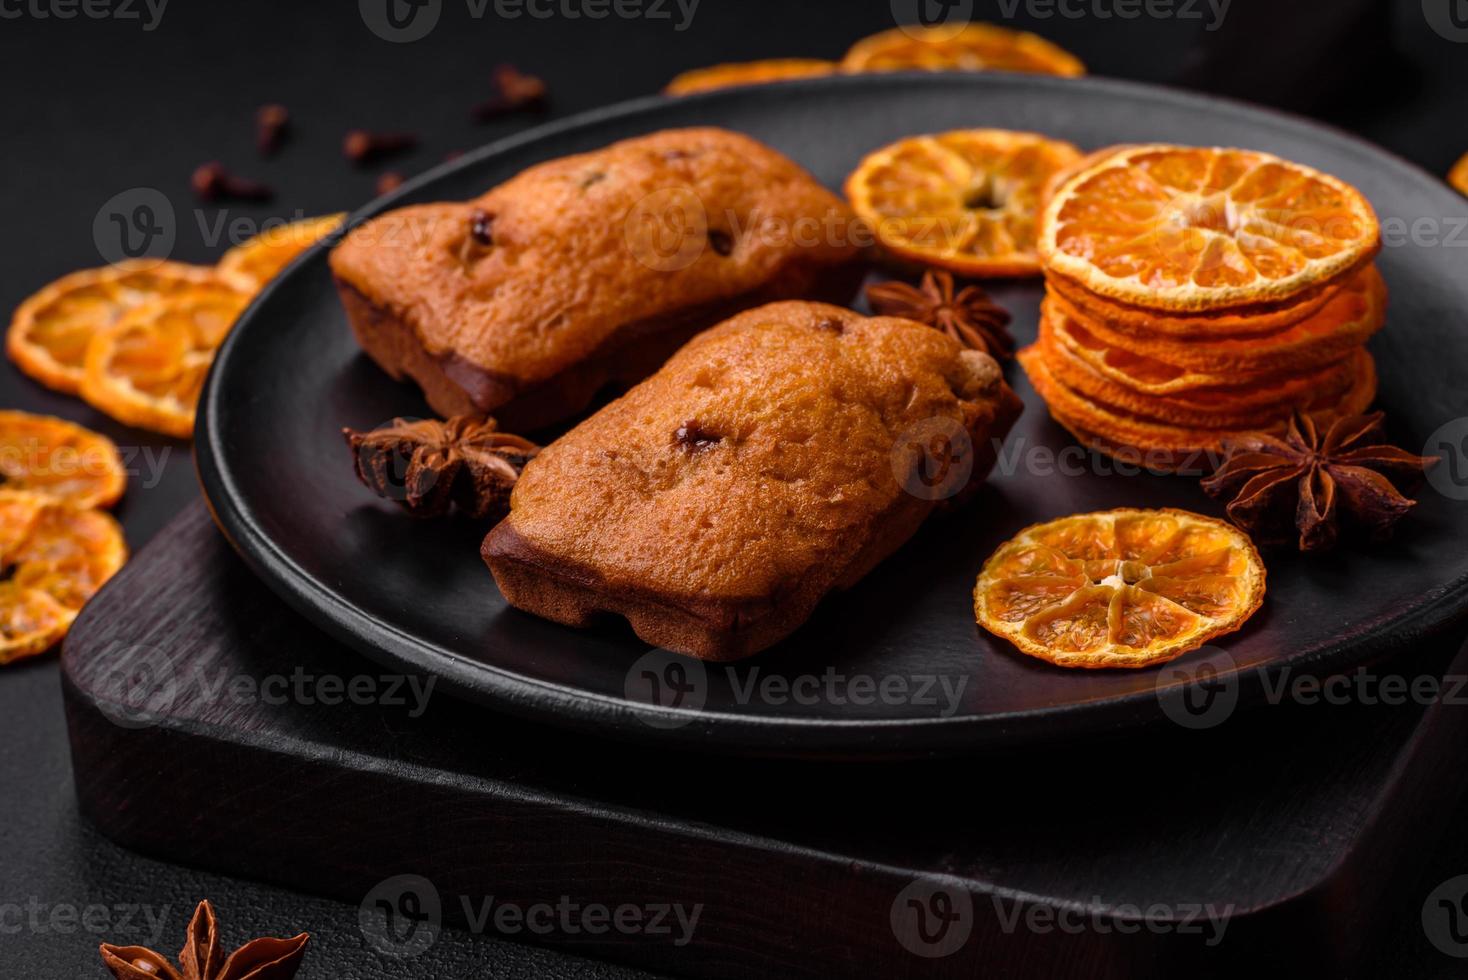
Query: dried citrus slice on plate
x=147 y=370
x=251 y=264
x=747 y=73
x=969 y=47
x=1120 y=588
x=55 y=557
x=60 y=459
x=1354 y=313
x=1458 y=176
x=1197 y=229
x=964 y=200
x=1160 y=445
x=1254 y=405
x=50 y=331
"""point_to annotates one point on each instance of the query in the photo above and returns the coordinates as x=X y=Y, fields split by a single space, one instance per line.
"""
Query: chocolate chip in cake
x=595 y=177
x=692 y=436
x=722 y=241
x=481 y=224
x=832 y=324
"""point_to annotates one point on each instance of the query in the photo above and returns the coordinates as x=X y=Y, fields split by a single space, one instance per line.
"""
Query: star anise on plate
x=428 y=466
x=969 y=316
x=1310 y=480
x=203 y=959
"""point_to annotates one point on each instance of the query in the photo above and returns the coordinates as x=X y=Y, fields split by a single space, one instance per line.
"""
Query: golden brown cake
x=776 y=458
x=588 y=270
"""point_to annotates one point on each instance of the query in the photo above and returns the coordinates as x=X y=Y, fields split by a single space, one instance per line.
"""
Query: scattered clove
x=361 y=146
x=272 y=125
x=518 y=92
x=212 y=182
x=389 y=181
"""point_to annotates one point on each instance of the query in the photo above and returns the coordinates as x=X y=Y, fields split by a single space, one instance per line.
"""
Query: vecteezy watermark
x=137 y=223
x=1445 y=917
x=933 y=459
x=125 y=920
x=941 y=692
x=405 y=21
x=1201 y=691
x=148 y=13
x=1211 y=12
x=662 y=679
x=1450 y=443
x=1022 y=456
x=403 y=917
x=935 y=20
x=1425 y=231
x=145 y=464
x=143 y=682
x=1449 y=18
x=1103 y=918
x=932 y=917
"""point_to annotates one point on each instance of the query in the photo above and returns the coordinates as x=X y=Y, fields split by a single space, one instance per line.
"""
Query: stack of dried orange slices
x=1193 y=294
x=136 y=339
x=57 y=546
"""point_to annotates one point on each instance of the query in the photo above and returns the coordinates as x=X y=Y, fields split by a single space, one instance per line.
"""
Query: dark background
x=95 y=107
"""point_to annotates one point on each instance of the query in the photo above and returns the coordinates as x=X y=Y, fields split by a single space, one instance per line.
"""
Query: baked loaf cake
x=776 y=458
x=588 y=270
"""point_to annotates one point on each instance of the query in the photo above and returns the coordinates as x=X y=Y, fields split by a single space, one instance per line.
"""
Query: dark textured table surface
x=103 y=99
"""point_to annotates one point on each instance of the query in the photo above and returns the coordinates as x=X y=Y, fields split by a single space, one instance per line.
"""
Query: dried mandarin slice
x=149 y=368
x=964 y=200
x=972 y=47
x=251 y=264
x=1351 y=317
x=1257 y=404
x=60 y=459
x=50 y=331
x=747 y=73
x=55 y=557
x=1195 y=229
x=1231 y=324
x=1159 y=445
x=1458 y=176
x=1136 y=608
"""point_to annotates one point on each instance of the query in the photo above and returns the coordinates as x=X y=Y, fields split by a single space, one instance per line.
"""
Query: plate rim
x=712 y=730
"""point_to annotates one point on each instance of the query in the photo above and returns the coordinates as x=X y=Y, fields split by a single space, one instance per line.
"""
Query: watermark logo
x=1445 y=917
x=667 y=230
x=665 y=679
x=1449 y=18
x=934 y=459
x=1211 y=12
x=400 y=21
x=1104 y=918
x=1450 y=442
x=140 y=686
x=932 y=918
x=148 y=13
x=137 y=223
x=39 y=918
x=1200 y=692
x=932 y=20
x=402 y=916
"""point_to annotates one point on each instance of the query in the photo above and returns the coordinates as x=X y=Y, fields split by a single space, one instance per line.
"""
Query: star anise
x=427 y=465
x=1311 y=481
x=969 y=317
x=203 y=959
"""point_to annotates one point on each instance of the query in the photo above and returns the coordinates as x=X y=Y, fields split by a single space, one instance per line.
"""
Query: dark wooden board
x=418 y=597
x=1305 y=819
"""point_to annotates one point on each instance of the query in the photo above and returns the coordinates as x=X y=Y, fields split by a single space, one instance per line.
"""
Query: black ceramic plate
x=866 y=676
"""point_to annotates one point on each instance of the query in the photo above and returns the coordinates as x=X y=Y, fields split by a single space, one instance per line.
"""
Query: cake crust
x=766 y=465
x=527 y=300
